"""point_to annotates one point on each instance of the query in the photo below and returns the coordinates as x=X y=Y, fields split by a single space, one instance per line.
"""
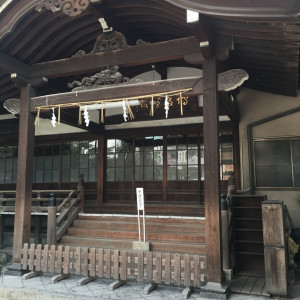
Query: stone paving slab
x=40 y=288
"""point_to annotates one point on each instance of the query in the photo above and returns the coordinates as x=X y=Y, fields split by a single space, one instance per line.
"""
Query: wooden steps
x=248 y=234
x=165 y=234
x=159 y=208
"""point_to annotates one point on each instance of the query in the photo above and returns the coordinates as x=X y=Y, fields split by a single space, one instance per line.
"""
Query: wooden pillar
x=236 y=153
x=24 y=176
x=213 y=234
x=165 y=168
x=100 y=174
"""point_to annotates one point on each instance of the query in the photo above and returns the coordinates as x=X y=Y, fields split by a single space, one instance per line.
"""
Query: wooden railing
x=40 y=199
x=148 y=267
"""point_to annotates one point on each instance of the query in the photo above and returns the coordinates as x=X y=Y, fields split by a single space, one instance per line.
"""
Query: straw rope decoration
x=37 y=118
x=58 y=117
x=79 y=116
x=102 y=112
x=102 y=102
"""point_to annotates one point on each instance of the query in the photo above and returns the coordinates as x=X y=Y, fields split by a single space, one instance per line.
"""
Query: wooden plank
x=123 y=275
x=214 y=269
x=66 y=264
x=38 y=255
x=140 y=276
x=149 y=267
x=25 y=257
x=59 y=259
x=187 y=270
x=177 y=269
x=276 y=271
x=52 y=258
x=37 y=229
x=92 y=262
x=45 y=255
x=116 y=265
x=258 y=286
x=158 y=268
x=107 y=263
x=168 y=274
x=248 y=286
x=24 y=175
x=196 y=271
x=100 y=263
x=77 y=260
x=85 y=262
x=238 y=284
x=31 y=257
x=273 y=229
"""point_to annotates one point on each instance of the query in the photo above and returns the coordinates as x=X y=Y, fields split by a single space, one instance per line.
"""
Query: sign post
x=141 y=245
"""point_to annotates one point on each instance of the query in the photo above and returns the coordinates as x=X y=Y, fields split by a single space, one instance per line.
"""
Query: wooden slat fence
x=148 y=267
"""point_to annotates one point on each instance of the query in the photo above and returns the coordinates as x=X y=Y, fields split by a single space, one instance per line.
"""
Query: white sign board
x=140 y=198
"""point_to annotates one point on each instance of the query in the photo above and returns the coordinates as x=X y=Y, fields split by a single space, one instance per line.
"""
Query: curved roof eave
x=265 y=9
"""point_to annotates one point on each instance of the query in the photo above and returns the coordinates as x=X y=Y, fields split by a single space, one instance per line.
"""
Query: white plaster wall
x=255 y=106
x=181 y=72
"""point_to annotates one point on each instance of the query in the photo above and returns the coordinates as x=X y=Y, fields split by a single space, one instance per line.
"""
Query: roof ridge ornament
x=70 y=8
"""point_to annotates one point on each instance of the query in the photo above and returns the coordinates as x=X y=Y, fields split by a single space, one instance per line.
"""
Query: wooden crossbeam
x=132 y=56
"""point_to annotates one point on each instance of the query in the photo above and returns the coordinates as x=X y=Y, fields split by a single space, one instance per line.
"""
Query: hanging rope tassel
x=181 y=107
x=79 y=117
x=58 y=117
x=37 y=118
x=102 y=112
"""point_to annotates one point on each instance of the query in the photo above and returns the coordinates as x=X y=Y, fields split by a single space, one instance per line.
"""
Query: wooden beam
x=10 y=65
x=213 y=234
x=120 y=92
x=132 y=56
x=24 y=176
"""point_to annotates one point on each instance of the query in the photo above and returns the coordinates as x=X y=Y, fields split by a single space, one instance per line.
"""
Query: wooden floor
x=249 y=285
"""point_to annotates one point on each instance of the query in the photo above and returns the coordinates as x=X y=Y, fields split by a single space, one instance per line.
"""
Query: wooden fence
x=148 y=267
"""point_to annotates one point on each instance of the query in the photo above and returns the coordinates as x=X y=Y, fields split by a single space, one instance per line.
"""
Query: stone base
x=141 y=246
x=15 y=269
x=228 y=274
x=213 y=290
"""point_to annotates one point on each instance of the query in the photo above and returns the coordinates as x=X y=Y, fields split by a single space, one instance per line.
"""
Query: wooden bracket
x=149 y=288
x=187 y=292
x=116 y=284
x=59 y=278
x=85 y=280
x=31 y=275
x=20 y=80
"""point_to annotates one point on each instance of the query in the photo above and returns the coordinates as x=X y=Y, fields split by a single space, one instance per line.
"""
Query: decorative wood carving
x=12 y=105
x=107 y=76
x=231 y=79
x=71 y=8
x=109 y=41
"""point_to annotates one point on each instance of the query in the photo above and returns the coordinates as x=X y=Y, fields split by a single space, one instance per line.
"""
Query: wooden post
x=100 y=174
x=236 y=154
x=51 y=223
x=24 y=176
x=212 y=173
x=214 y=288
x=80 y=193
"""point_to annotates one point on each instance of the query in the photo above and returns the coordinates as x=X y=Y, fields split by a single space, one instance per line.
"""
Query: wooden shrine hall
x=102 y=97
